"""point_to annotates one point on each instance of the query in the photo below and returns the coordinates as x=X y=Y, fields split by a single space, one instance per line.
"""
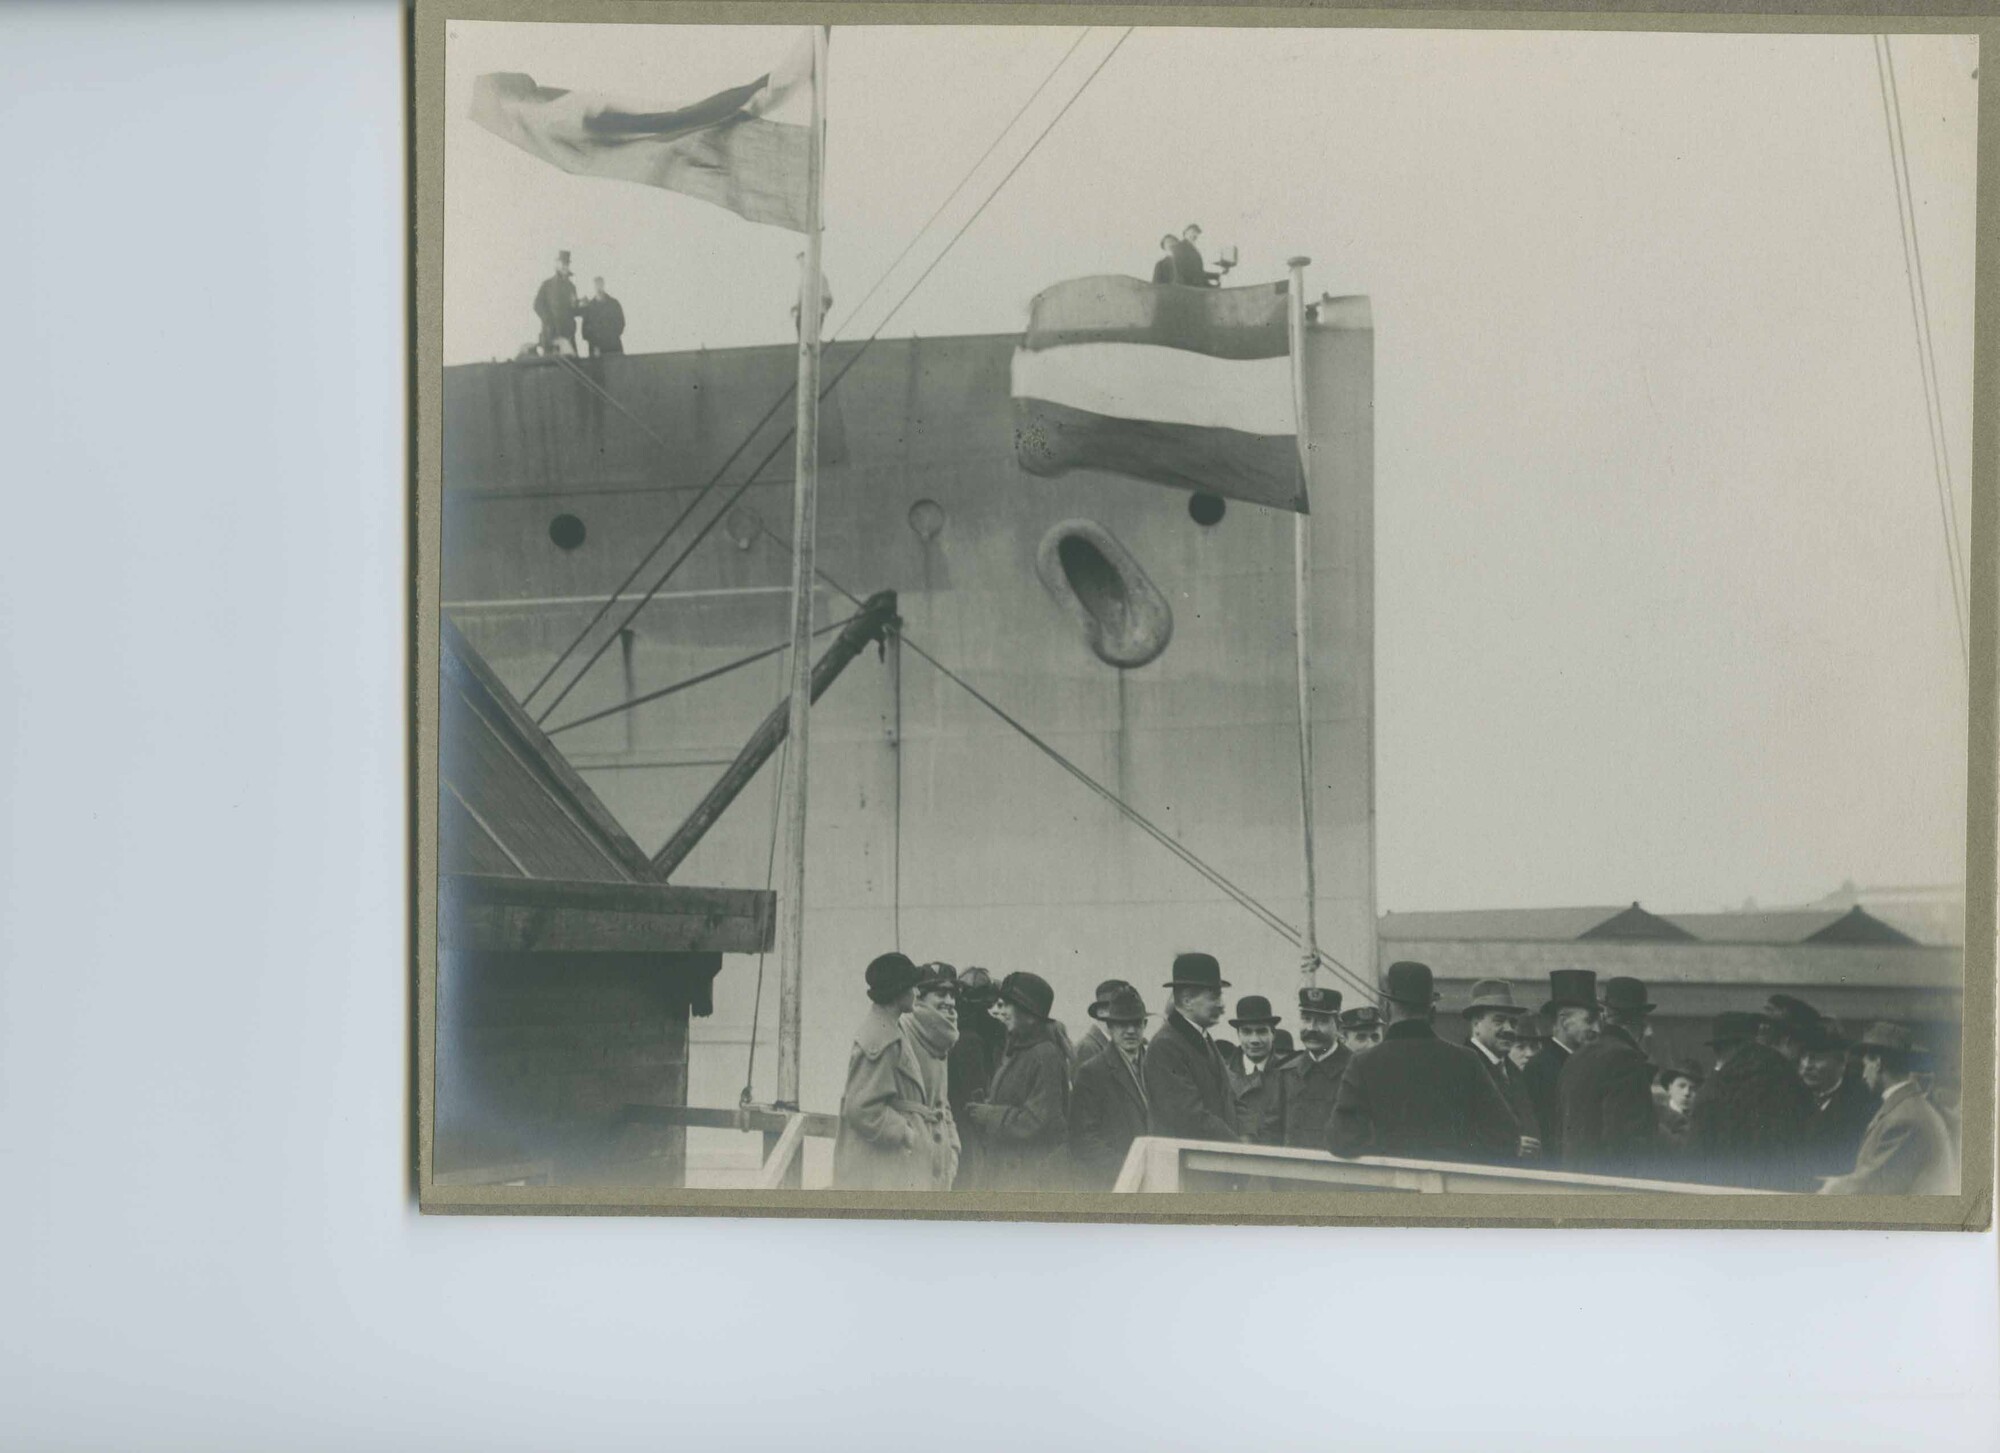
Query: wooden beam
x=523 y=915
x=705 y=1117
x=781 y=1166
x=877 y=616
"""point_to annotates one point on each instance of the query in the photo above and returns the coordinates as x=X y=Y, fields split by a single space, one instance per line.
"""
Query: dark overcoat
x=1307 y=1089
x=1906 y=1152
x=1414 y=1095
x=1610 y=1125
x=1188 y=268
x=1748 y=1125
x=604 y=324
x=1187 y=1084
x=1107 y=1112
x=1256 y=1094
x=1024 y=1120
x=1507 y=1080
x=555 y=305
x=969 y=1074
x=1835 y=1130
x=1540 y=1079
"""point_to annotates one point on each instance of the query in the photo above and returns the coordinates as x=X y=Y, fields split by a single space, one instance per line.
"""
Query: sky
x=1662 y=596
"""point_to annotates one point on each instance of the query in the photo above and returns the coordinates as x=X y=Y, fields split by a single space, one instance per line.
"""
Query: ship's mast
x=805 y=510
x=1302 y=616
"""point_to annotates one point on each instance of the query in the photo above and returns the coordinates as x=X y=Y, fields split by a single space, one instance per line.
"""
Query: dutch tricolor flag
x=1189 y=387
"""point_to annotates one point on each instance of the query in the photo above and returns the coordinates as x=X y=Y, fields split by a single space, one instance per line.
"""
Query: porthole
x=1207 y=509
x=567 y=531
x=742 y=525
x=1125 y=620
x=927 y=519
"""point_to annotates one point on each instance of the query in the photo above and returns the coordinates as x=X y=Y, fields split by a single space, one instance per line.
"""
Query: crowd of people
x=957 y=1080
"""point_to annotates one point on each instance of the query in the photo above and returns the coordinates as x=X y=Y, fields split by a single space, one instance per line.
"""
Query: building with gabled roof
x=567 y=970
x=1846 y=962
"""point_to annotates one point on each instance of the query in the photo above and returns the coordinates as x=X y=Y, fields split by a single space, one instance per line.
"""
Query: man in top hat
x=1748 y=1124
x=1908 y=1148
x=1489 y=1016
x=1253 y=1069
x=555 y=305
x=1097 y=1041
x=1310 y=1081
x=1606 y=1091
x=1572 y=1014
x=1415 y=1095
x=1187 y=1083
x=1843 y=1104
x=1107 y=1105
x=886 y=1137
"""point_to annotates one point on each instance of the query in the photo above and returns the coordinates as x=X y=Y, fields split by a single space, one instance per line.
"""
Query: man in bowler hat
x=1310 y=1081
x=1096 y=1041
x=1748 y=1126
x=1416 y=1096
x=1572 y=1014
x=1107 y=1105
x=1490 y=1014
x=1610 y=1125
x=1187 y=1082
x=1908 y=1148
x=1253 y=1068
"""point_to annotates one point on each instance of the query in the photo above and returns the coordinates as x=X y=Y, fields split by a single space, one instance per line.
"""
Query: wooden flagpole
x=805 y=516
x=1302 y=616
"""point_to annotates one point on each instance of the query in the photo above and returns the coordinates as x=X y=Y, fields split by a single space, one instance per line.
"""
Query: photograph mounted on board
x=1274 y=522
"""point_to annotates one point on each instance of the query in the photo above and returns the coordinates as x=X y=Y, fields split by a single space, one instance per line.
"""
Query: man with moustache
x=1107 y=1105
x=1843 y=1104
x=1489 y=1017
x=1572 y=1013
x=1310 y=1082
x=1187 y=1082
x=1610 y=1126
x=1096 y=1041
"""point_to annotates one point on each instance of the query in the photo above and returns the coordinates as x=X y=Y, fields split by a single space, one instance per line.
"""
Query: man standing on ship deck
x=1187 y=1082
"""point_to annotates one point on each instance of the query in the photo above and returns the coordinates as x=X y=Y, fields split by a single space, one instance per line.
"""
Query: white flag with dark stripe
x=745 y=148
x=1189 y=387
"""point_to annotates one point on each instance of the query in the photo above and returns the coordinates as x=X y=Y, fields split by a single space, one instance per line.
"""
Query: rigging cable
x=1241 y=896
x=791 y=390
x=1906 y=221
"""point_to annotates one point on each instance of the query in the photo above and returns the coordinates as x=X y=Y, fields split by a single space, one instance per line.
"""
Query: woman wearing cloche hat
x=1024 y=1120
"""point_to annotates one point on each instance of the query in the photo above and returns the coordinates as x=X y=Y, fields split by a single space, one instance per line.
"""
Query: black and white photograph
x=1311 y=619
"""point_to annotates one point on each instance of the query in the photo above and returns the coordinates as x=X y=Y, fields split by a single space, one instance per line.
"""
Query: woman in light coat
x=887 y=1137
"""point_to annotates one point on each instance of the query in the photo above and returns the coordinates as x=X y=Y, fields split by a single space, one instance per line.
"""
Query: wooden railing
x=784 y=1131
x=1158 y=1164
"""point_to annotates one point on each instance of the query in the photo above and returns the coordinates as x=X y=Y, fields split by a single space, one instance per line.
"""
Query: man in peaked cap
x=1310 y=1081
x=1107 y=1105
x=1610 y=1126
x=1843 y=1103
x=1415 y=1095
x=1253 y=1069
x=1572 y=1014
x=1187 y=1082
x=1908 y=1149
x=1489 y=1016
x=1748 y=1124
x=1096 y=1041
x=969 y=1071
